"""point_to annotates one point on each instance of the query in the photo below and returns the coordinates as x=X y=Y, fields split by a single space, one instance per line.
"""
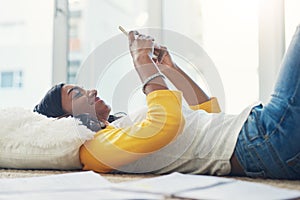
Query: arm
x=115 y=147
x=192 y=93
x=141 y=49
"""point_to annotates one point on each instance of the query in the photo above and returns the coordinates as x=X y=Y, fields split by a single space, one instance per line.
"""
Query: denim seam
x=240 y=158
x=296 y=165
x=291 y=99
x=259 y=165
x=277 y=159
x=260 y=127
x=280 y=122
x=251 y=151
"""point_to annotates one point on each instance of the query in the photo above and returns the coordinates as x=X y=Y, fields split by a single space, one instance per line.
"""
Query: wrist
x=169 y=70
x=151 y=80
x=142 y=58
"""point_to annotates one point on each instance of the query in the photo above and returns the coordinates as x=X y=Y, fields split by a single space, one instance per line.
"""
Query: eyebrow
x=73 y=88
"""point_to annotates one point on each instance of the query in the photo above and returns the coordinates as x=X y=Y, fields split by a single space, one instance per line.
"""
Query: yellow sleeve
x=210 y=106
x=114 y=147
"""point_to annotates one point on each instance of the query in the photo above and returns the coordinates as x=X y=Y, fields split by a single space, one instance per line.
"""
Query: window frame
x=271 y=45
x=60 y=41
x=269 y=60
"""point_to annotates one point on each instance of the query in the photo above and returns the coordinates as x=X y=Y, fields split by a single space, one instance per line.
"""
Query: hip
x=268 y=145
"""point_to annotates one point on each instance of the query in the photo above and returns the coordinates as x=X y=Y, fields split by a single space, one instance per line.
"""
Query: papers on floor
x=241 y=190
x=207 y=187
x=173 y=184
x=61 y=182
x=90 y=185
x=75 y=186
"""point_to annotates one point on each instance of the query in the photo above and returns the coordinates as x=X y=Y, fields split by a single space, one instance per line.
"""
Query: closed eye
x=76 y=92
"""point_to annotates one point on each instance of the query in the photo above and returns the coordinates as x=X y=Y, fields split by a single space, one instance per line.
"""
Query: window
x=227 y=30
x=7 y=79
x=26 y=36
x=292 y=18
x=73 y=66
x=92 y=22
x=11 y=79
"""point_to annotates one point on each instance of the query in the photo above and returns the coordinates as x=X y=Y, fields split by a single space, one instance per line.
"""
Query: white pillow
x=29 y=140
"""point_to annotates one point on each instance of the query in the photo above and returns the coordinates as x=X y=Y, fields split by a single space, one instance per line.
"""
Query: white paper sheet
x=75 y=186
x=60 y=182
x=92 y=186
x=208 y=187
x=173 y=183
x=82 y=195
x=241 y=190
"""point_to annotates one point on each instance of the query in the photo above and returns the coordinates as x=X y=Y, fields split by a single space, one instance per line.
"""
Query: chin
x=103 y=115
x=108 y=109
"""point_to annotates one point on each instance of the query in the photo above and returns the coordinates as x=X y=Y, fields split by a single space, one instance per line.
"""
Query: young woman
x=261 y=141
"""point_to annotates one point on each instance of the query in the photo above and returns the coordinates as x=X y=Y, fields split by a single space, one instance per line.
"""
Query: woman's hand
x=192 y=93
x=141 y=49
x=141 y=46
x=163 y=58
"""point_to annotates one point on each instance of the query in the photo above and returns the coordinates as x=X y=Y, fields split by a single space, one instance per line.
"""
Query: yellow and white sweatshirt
x=165 y=137
x=114 y=147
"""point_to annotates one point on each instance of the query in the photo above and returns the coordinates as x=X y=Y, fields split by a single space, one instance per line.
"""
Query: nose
x=91 y=94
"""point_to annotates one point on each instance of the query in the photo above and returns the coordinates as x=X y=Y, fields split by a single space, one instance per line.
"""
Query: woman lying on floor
x=261 y=141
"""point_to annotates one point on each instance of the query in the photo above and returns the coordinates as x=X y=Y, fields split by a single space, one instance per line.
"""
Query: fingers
x=139 y=41
x=160 y=52
x=131 y=36
x=145 y=37
x=135 y=35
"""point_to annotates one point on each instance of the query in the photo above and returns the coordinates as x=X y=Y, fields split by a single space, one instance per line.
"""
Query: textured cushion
x=29 y=140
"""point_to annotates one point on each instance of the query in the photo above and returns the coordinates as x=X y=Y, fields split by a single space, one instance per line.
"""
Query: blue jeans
x=268 y=145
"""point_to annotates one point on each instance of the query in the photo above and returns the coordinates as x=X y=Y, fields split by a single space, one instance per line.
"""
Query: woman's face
x=76 y=100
